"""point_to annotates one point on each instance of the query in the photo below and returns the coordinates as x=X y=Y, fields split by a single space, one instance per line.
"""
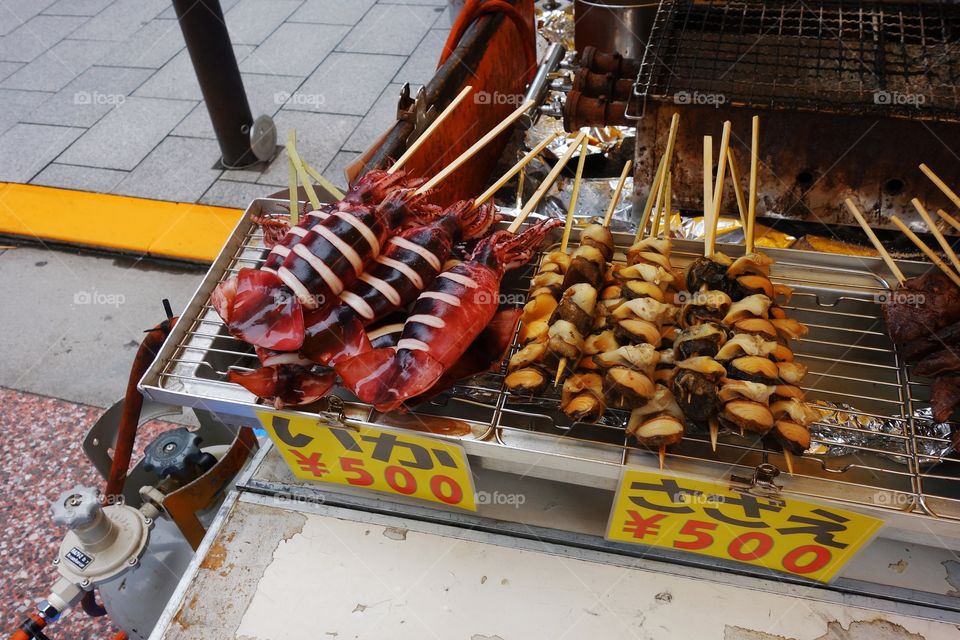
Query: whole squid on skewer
x=265 y=307
x=408 y=264
x=446 y=318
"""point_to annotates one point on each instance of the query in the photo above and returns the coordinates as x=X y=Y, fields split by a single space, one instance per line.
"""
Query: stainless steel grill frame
x=899 y=59
x=850 y=358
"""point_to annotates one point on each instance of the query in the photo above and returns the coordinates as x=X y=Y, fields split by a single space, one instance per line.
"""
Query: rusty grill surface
x=850 y=358
x=883 y=58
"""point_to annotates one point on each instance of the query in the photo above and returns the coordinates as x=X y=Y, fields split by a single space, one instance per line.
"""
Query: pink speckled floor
x=41 y=456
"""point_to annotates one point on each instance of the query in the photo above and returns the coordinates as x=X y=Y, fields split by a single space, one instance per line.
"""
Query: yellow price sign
x=801 y=538
x=402 y=464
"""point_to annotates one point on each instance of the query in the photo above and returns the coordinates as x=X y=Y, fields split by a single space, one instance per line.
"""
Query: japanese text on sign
x=398 y=463
x=788 y=535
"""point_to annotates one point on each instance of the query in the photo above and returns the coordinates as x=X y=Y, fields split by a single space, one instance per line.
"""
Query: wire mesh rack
x=898 y=59
x=880 y=453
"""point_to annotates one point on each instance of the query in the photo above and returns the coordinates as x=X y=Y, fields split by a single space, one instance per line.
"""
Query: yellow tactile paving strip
x=133 y=225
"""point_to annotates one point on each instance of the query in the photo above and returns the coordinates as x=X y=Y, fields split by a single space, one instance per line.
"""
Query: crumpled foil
x=556 y=25
x=599 y=139
x=842 y=430
x=730 y=231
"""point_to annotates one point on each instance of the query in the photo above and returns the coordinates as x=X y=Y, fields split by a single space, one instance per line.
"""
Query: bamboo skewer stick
x=323 y=182
x=662 y=168
x=953 y=222
x=738 y=191
x=412 y=149
x=616 y=193
x=947 y=191
x=546 y=184
x=662 y=455
x=721 y=170
x=754 y=165
x=927 y=251
x=574 y=193
x=714 y=432
x=515 y=169
x=894 y=269
x=298 y=165
x=947 y=249
x=707 y=194
x=788 y=458
x=292 y=186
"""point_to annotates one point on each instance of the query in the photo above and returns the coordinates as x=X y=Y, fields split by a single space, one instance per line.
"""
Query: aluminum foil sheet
x=844 y=430
x=730 y=231
x=555 y=22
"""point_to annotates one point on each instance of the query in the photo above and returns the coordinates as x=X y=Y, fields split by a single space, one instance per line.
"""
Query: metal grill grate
x=883 y=58
x=849 y=355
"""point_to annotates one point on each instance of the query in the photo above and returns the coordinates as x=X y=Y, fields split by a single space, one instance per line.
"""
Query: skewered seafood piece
x=582 y=398
x=695 y=386
x=445 y=320
x=659 y=422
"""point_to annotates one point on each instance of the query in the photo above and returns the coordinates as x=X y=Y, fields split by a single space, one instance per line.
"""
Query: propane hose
x=474 y=9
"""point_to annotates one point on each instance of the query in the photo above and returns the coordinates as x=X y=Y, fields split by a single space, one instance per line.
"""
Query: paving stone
x=438 y=3
x=57 y=67
x=14 y=105
x=421 y=66
x=92 y=95
x=227 y=193
x=332 y=11
x=334 y=171
x=395 y=29
x=178 y=80
x=346 y=83
x=294 y=49
x=251 y=21
x=124 y=137
x=178 y=169
x=121 y=19
x=151 y=47
x=6 y=68
x=17 y=12
x=68 y=176
x=381 y=117
x=32 y=38
x=77 y=7
x=25 y=149
x=319 y=137
x=196 y=124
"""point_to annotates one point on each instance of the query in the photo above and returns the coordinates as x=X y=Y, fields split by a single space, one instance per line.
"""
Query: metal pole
x=205 y=33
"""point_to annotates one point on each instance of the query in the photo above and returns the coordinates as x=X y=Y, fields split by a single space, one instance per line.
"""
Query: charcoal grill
x=850 y=357
x=852 y=97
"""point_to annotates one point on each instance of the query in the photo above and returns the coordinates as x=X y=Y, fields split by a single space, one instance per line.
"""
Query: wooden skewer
x=737 y=191
x=788 y=458
x=298 y=165
x=714 y=432
x=323 y=182
x=668 y=204
x=616 y=193
x=479 y=144
x=953 y=222
x=927 y=251
x=754 y=165
x=707 y=194
x=515 y=169
x=292 y=184
x=947 y=191
x=662 y=170
x=412 y=149
x=546 y=184
x=721 y=170
x=894 y=269
x=662 y=455
x=947 y=249
x=574 y=193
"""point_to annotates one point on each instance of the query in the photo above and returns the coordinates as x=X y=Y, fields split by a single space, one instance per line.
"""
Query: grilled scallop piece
x=704 y=306
x=709 y=273
x=659 y=421
x=653 y=274
x=747 y=415
x=703 y=339
x=638 y=332
x=746 y=344
x=754 y=369
x=756 y=326
x=564 y=341
x=788 y=391
x=752 y=263
x=694 y=386
x=526 y=381
x=661 y=246
x=742 y=389
x=549 y=283
x=791 y=372
x=530 y=355
x=600 y=238
x=640 y=357
x=642 y=289
x=789 y=329
x=795 y=411
x=582 y=397
x=587 y=265
x=751 y=284
x=577 y=307
x=645 y=309
x=790 y=436
x=755 y=306
x=631 y=386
